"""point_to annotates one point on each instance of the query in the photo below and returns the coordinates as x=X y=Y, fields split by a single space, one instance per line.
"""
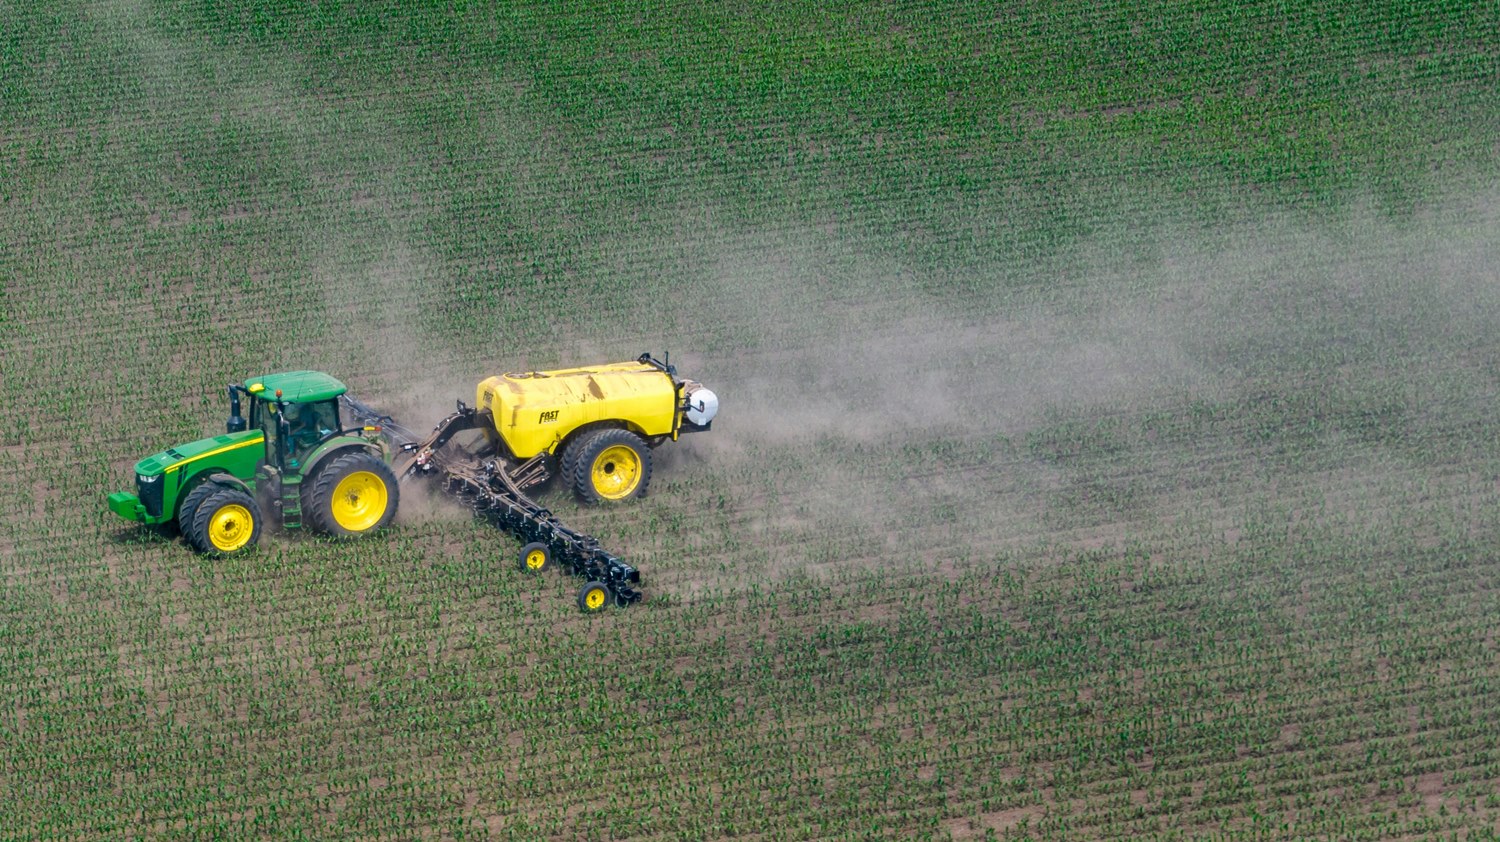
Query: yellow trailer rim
x=616 y=472
x=594 y=599
x=359 y=501
x=536 y=559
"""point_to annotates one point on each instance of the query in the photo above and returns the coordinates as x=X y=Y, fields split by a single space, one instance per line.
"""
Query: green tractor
x=293 y=457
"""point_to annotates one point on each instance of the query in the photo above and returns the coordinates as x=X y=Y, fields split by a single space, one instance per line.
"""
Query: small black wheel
x=613 y=466
x=594 y=597
x=227 y=523
x=187 y=510
x=535 y=557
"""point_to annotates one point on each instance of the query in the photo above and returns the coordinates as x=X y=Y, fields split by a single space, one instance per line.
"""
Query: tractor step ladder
x=291 y=502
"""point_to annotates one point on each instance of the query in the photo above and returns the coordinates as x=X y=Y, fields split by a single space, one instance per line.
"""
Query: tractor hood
x=172 y=458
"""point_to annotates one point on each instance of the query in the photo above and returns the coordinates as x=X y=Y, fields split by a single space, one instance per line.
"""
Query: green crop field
x=1108 y=444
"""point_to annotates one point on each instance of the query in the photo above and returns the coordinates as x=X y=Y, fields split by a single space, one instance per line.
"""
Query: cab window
x=310 y=423
x=263 y=416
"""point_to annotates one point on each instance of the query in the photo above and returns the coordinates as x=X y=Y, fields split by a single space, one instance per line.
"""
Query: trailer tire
x=613 y=466
x=571 y=454
x=594 y=597
x=226 y=523
x=351 y=495
x=535 y=557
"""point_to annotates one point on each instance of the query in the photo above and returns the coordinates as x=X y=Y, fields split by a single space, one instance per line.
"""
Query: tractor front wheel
x=612 y=466
x=351 y=495
x=187 y=512
x=226 y=523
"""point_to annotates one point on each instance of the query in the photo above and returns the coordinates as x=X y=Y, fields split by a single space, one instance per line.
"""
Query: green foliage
x=1107 y=446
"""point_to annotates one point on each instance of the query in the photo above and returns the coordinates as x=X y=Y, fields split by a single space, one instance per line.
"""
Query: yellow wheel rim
x=616 y=472
x=536 y=559
x=230 y=528
x=359 y=501
x=594 y=599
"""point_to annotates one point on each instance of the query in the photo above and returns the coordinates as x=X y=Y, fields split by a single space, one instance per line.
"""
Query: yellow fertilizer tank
x=599 y=421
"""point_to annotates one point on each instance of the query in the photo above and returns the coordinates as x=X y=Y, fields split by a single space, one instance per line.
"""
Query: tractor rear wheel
x=351 y=495
x=594 y=597
x=613 y=466
x=226 y=523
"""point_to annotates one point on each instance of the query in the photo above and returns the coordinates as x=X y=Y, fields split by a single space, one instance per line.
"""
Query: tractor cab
x=296 y=410
x=293 y=430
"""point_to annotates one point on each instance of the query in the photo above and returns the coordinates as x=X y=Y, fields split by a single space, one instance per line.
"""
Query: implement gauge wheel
x=594 y=597
x=352 y=495
x=612 y=466
x=226 y=523
x=535 y=558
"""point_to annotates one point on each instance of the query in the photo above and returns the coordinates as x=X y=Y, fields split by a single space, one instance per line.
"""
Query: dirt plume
x=1294 y=345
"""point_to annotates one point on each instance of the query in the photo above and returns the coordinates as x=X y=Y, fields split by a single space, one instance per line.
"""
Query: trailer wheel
x=571 y=455
x=613 y=466
x=226 y=523
x=535 y=558
x=594 y=597
x=351 y=495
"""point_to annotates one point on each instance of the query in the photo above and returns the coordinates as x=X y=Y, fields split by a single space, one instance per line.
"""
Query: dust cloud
x=861 y=389
x=860 y=401
x=364 y=248
x=1213 y=309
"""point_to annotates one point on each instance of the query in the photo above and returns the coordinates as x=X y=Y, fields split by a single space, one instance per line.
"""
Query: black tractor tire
x=226 y=523
x=187 y=510
x=594 y=597
x=351 y=494
x=535 y=557
x=613 y=466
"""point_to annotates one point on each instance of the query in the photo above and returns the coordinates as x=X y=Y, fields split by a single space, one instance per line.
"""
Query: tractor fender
x=335 y=446
x=217 y=476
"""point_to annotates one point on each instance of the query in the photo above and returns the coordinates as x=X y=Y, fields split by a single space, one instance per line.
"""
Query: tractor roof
x=297 y=386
